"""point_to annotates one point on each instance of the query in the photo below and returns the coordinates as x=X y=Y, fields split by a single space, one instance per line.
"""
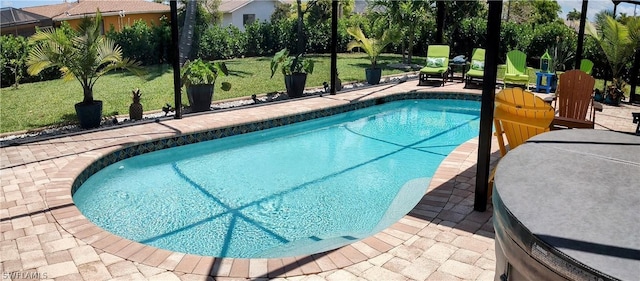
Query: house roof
x=12 y=17
x=64 y=11
x=230 y=6
x=49 y=11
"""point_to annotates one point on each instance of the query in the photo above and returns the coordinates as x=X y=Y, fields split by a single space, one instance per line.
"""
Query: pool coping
x=58 y=199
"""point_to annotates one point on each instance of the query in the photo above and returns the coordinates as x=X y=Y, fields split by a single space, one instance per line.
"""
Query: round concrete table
x=567 y=207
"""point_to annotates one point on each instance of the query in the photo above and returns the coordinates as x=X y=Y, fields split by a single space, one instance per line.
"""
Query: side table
x=550 y=81
x=456 y=66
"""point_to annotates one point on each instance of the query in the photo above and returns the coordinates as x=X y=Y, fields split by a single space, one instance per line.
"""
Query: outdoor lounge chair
x=574 y=102
x=518 y=116
x=586 y=66
x=437 y=64
x=476 y=70
x=516 y=72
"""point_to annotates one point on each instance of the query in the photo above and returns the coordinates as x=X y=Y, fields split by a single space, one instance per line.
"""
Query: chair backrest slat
x=516 y=62
x=586 y=65
x=574 y=94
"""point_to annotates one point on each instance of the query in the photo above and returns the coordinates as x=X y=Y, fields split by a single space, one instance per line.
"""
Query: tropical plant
x=372 y=46
x=615 y=40
x=574 y=15
x=200 y=72
x=290 y=64
x=85 y=56
x=408 y=17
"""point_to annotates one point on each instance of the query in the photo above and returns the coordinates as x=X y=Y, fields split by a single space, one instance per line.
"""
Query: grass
x=50 y=103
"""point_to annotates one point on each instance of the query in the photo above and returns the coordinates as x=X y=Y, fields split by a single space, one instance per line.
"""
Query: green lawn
x=49 y=103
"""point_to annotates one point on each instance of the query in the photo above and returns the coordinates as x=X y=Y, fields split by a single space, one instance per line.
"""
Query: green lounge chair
x=437 y=64
x=516 y=69
x=476 y=70
x=586 y=66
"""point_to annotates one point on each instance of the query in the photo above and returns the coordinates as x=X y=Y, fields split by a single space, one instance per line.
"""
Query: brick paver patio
x=44 y=236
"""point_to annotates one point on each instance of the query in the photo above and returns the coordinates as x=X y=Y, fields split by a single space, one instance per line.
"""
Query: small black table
x=567 y=206
x=463 y=67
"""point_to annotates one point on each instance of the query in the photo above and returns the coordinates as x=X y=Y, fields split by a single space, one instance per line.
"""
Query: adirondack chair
x=518 y=116
x=586 y=66
x=476 y=71
x=516 y=72
x=574 y=102
x=437 y=64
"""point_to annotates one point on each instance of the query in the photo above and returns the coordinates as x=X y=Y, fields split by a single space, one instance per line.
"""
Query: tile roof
x=50 y=11
x=228 y=6
x=86 y=7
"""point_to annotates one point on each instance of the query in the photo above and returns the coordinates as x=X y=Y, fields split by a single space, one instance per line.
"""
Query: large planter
x=373 y=75
x=295 y=84
x=598 y=96
x=613 y=96
x=200 y=97
x=89 y=114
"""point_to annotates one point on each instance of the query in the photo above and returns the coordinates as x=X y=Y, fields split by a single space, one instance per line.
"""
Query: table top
x=579 y=192
x=458 y=63
x=546 y=73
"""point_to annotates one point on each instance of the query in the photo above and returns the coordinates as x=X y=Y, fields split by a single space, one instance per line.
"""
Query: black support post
x=634 y=77
x=486 y=108
x=583 y=19
x=175 y=55
x=334 y=45
x=440 y=21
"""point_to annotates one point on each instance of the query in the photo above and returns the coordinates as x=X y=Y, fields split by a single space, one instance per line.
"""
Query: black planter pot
x=373 y=75
x=598 y=96
x=295 y=84
x=89 y=114
x=200 y=97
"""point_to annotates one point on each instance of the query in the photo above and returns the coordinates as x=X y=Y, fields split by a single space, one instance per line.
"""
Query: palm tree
x=407 y=16
x=186 y=38
x=574 y=15
x=85 y=56
x=615 y=41
x=373 y=47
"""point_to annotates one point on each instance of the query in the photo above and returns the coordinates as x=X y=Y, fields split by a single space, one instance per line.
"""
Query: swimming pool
x=287 y=191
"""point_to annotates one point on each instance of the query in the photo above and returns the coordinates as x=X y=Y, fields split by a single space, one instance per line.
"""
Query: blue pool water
x=287 y=191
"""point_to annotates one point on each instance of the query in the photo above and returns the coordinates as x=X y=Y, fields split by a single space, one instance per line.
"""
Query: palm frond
x=85 y=56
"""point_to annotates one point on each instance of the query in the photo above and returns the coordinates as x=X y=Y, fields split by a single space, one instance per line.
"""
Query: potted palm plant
x=373 y=47
x=294 y=69
x=85 y=55
x=618 y=43
x=199 y=77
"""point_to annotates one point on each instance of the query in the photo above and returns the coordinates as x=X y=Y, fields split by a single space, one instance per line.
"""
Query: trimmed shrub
x=549 y=36
x=148 y=45
x=222 y=43
x=14 y=52
x=513 y=36
x=472 y=34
